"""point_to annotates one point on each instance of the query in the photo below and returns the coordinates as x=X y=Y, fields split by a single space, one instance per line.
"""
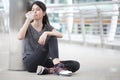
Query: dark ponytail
x=46 y=20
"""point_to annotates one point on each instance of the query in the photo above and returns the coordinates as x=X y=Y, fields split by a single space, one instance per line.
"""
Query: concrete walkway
x=96 y=64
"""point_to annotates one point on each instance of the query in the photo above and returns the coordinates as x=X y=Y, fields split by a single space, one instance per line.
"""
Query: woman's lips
x=35 y=15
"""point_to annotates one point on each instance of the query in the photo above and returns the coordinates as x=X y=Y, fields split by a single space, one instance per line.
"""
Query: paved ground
x=96 y=64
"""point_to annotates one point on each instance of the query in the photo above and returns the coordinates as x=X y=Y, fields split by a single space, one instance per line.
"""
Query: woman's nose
x=34 y=11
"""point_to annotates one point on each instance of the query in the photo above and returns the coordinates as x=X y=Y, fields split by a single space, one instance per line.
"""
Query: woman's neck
x=37 y=24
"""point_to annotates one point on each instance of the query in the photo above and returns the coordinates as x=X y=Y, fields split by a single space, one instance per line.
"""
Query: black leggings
x=41 y=57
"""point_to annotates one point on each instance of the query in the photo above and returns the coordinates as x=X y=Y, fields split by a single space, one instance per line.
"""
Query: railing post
x=82 y=21
x=100 y=27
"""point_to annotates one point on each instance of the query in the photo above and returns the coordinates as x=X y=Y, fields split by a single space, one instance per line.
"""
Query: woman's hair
x=43 y=7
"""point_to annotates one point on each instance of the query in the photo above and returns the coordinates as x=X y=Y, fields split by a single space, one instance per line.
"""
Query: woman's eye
x=38 y=9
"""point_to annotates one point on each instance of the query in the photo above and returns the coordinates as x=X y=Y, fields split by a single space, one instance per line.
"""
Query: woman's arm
x=23 y=29
x=54 y=32
x=43 y=37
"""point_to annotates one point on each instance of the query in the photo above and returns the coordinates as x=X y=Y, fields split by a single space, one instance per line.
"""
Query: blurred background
x=93 y=23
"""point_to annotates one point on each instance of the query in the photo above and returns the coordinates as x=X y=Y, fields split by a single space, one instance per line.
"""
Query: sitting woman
x=40 y=44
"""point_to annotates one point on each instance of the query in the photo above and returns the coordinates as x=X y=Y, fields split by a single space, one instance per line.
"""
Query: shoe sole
x=66 y=74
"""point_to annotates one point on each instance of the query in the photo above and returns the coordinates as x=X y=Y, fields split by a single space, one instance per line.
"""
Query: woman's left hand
x=42 y=38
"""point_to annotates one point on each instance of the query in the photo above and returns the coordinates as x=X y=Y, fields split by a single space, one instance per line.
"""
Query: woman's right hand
x=42 y=38
x=29 y=15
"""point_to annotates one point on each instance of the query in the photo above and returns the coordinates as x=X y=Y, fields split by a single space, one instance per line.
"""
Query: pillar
x=16 y=18
x=114 y=20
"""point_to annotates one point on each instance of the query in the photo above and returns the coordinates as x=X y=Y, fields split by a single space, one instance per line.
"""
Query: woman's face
x=38 y=13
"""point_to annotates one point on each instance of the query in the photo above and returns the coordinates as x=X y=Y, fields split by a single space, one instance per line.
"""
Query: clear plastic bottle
x=30 y=14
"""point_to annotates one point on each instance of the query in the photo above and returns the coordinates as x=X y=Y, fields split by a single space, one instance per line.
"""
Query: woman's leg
x=63 y=65
x=49 y=63
x=37 y=58
x=53 y=49
x=40 y=57
x=53 y=53
x=71 y=65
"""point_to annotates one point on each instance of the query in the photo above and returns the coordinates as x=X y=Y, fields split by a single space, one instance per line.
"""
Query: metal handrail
x=82 y=4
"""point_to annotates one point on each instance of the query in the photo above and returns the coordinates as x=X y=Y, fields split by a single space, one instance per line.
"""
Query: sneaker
x=40 y=70
x=61 y=70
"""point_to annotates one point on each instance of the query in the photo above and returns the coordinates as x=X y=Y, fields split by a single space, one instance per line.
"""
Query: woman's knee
x=77 y=66
x=53 y=39
x=72 y=65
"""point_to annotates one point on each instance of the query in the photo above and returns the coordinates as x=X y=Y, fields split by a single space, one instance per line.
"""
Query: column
x=69 y=19
x=16 y=18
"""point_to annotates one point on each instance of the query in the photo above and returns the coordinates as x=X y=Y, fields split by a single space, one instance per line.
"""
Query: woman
x=41 y=46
